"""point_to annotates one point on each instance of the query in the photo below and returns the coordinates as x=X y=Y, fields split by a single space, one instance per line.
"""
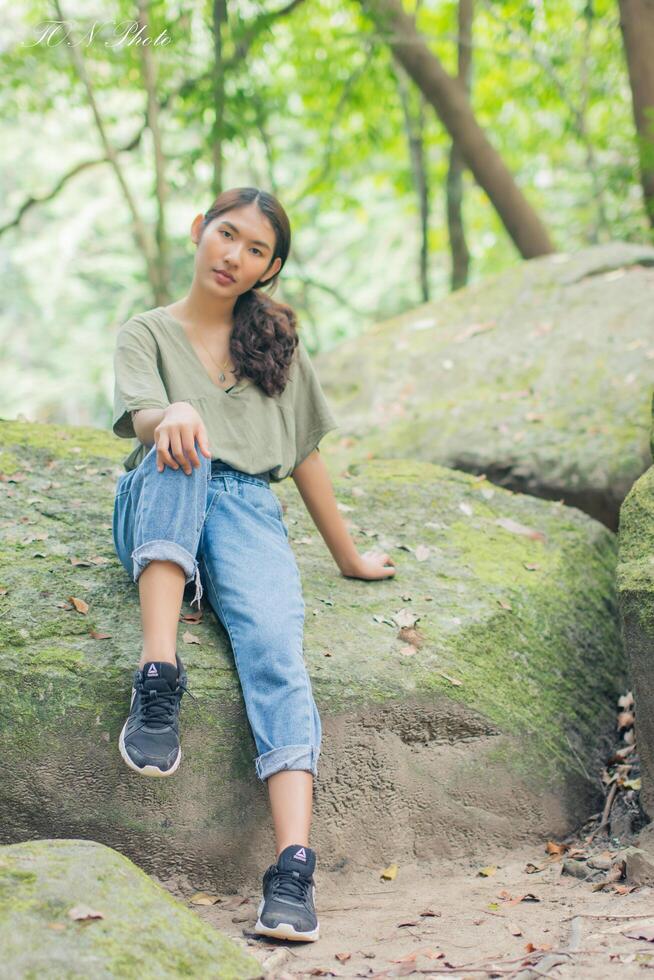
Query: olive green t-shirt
x=155 y=365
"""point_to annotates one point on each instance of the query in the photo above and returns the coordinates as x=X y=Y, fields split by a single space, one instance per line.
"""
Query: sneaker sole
x=284 y=930
x=146 y=770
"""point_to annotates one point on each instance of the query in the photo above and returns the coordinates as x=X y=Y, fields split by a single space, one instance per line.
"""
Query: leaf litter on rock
x=82 y=913
x=516 y=528
x=80 y=605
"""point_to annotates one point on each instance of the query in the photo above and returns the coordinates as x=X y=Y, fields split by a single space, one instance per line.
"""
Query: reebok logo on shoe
x=300 y=855
x=152 y=671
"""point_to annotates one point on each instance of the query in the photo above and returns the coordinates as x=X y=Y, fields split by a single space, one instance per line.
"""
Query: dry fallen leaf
x=516 y=528
x=625 y=720
x=188 y=637
x=82 y=913
x=389 y=873
x=202 y=898
x=99 y=636
x=487 y=871
x=404 y=617
x=194 y=617
x=80 y=605
x=452 y=680
x=522 y=898
x=422 y=552
x=411 y=635
x=473 y=330
x=343 y=957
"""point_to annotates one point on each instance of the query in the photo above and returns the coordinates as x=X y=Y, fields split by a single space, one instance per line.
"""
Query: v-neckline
x=236 y=387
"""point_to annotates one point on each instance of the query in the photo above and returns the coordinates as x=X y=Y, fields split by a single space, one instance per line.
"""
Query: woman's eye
x=223 y=231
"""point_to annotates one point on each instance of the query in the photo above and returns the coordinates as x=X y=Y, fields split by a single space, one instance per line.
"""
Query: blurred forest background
x=416 y=146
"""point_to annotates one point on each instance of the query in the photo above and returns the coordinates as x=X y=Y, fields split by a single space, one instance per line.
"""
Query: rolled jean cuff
x=287 y=757
x=164 y=550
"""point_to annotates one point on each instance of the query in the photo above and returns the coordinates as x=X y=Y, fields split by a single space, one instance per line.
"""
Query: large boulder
x=482 y=723
x=74 y=908
x=635 y=576
x=539 y=377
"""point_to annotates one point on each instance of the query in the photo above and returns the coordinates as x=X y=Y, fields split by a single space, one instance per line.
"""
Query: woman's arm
x=312 y=480
x=145 y=421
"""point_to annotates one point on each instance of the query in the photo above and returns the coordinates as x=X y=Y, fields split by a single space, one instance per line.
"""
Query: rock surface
x=635 y=577
x=51 y=894
x=539 y=377
x=483 y=724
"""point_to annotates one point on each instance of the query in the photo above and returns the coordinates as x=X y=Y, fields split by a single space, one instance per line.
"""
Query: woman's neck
x=203 y=313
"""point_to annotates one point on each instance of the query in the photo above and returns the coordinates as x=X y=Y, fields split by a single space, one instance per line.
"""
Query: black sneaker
x=287 y=908
x=149 y=741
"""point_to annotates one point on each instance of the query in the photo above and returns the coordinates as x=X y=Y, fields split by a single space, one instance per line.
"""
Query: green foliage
x=312 y=111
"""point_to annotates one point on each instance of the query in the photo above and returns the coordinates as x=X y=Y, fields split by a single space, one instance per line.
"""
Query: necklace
x=221 y=366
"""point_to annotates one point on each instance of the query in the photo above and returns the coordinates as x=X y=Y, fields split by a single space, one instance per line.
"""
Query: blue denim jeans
x=225 y=529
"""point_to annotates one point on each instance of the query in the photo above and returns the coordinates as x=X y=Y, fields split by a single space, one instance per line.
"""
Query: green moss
x=63 y=874
x=521 y=668
x=551 y=399
x=61 y=442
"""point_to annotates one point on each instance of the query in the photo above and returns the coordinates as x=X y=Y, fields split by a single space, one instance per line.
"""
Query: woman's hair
x=264 y=335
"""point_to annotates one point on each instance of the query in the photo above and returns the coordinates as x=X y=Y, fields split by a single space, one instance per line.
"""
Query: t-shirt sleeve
x=313 y=417
x=137 y=382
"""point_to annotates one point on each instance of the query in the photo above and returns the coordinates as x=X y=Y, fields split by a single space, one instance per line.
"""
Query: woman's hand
x=175 y=438
x=371 y=565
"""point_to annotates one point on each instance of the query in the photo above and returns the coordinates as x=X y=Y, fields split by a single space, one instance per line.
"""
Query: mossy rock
x=635 y=577
x=143 y=932
x=539 y=377
x=484 y=726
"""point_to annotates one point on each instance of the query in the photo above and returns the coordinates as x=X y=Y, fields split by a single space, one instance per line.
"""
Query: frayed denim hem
x=287 y=757
x=164 y=550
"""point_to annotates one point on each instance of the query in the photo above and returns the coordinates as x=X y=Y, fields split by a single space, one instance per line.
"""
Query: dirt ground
x=580 y=907
x=530 y=915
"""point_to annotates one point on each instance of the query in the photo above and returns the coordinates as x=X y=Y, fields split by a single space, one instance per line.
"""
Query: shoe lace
x=158 y=707
x=290 y=884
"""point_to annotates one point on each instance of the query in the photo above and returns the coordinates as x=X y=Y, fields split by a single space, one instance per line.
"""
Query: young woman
x=222 y=396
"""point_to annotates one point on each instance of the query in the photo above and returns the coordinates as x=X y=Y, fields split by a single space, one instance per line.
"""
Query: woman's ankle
x=158 y=656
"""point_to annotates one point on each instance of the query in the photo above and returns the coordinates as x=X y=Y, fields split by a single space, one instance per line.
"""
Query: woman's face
x=239 y=242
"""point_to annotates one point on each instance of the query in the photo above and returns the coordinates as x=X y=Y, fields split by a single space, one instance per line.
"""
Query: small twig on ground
x=554 y=958
x=612 y=915
x=604 y=822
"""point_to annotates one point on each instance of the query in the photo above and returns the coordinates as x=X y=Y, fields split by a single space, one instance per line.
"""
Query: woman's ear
x=196 y=228
x=274 y=269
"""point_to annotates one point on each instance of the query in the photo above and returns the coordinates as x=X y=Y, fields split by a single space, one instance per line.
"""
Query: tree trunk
x=451 y=104
x=458 y=245
x=219 y=18
x=150 y=82
x=139 y=228
x=637 y=26
x=414 y=125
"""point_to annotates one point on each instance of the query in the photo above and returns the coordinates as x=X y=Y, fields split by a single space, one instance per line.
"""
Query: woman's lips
x=222 y=277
